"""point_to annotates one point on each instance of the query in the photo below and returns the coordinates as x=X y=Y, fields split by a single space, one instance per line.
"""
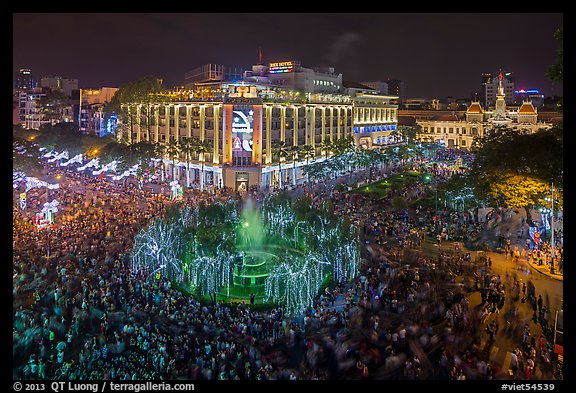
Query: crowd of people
x=80 y=313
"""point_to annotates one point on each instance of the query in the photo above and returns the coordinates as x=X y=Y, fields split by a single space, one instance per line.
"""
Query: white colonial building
x=458 y=131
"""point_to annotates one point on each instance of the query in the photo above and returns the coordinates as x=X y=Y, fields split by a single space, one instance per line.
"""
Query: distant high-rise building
x=65 y=85
x=23 y=80
x=397 y=87
x=490 y=88
x=381 y=87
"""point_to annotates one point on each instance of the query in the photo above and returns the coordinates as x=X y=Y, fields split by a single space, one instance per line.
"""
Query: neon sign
x=281 y=67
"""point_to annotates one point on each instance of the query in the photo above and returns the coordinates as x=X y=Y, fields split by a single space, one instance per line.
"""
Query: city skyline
x=436 y=55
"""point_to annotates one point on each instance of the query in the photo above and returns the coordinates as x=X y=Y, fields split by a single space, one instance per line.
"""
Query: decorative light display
x=295 y=282
x=92 y=163
x=111 y=166
x=33 y=182
x=17 y=177
x=159 y=247
x=49 y=209
x=78 y=158
x=222 y=250
x=177 y=190
x=59 y=156
x=132 y=171
x=22 y=200
x=48 y=154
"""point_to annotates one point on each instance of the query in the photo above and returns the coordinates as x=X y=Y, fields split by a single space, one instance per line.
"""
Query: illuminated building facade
x=490 y=85
x=243 y=121
x=65 y=85
x=24 y=80
x=457 y=131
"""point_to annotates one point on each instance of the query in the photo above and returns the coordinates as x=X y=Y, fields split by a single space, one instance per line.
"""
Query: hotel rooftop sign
x=282 y=67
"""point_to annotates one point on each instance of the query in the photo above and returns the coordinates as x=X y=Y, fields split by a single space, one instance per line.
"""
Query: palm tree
x=173 y=149
x=160 y=151
x=294 y=154
x=202 y=148
x=188 y=147
x=282 y=151
x=307 y=152
x=326 y=146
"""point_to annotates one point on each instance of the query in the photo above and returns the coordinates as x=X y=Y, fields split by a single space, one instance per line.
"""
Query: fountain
x=232 y=254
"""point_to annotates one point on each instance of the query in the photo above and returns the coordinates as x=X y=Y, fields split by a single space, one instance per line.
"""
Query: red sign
x=559 y=349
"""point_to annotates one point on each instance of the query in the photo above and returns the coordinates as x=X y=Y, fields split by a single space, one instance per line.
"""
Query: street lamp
x=552 y=233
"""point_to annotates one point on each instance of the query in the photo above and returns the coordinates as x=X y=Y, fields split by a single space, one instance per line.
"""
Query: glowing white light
x=76 y=159
x=33 y=182
x=132 y=171
x=51 y=206
x=59 y=156
x=92 y=163
x=107 y=168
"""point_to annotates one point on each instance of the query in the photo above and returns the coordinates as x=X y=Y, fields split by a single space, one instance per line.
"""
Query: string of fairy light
x=322 y=248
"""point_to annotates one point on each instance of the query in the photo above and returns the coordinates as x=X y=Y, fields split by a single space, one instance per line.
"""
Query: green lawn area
x=381 y=188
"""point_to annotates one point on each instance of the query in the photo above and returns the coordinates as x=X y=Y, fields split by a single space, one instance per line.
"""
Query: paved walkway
x=545 y=269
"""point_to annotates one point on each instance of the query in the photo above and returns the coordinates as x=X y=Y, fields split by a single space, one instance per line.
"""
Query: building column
x=283 y=123
x=202 y=121
x=155 y=129
x=310 y=133
x=188 y=121
x=338 y=122
x=323 y=126
x=227 y=132
x=167 y=117
x=268 y=134
x=295 y=129
x=216 y=153
x=331 y=124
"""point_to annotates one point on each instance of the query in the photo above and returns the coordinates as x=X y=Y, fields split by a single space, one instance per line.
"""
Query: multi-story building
x=32 y=114
x=490 y=88
x=65 y=85
x=537 y=99
x=242 y=122
x=397 y=87
x=23 y=80
x=93 y=119
x=458 y=130
x=379 y=86
x=98 y=96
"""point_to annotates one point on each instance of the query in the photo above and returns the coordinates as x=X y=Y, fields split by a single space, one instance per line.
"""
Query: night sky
x=435 y=54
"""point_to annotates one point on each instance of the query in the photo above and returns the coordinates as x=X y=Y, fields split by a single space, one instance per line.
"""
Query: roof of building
x=356 y=85
x=452 y=117
x=475 y=107
x=557 y=120
x=407 y=121
x=527 y=108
